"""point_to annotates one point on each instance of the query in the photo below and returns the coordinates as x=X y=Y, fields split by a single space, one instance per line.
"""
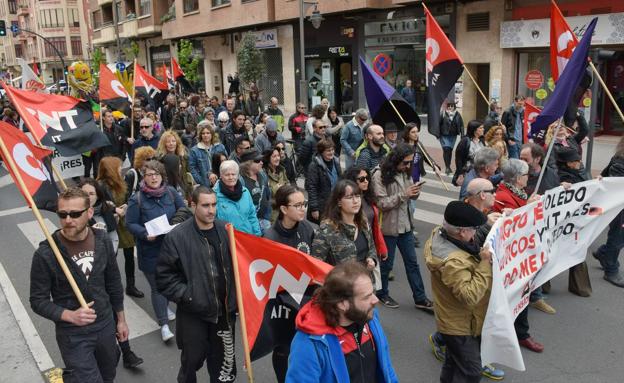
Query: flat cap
x=461 y=214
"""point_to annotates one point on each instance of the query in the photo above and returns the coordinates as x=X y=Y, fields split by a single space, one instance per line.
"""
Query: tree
x=97 y=59
x=250 y=60
x=188 y=61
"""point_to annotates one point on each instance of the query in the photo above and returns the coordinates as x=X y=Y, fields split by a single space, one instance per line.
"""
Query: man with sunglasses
x=146 y=137
x=85 y=336
x=296 y=124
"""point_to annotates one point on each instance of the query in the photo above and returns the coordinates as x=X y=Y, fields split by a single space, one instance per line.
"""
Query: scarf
x=470 y=247
x=234 y=195
x=154 y=193
x=517 y=191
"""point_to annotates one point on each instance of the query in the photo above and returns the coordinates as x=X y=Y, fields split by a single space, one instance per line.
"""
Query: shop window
x=535 y=62
x=478 y=21
x=218 y=3
x=191 y=6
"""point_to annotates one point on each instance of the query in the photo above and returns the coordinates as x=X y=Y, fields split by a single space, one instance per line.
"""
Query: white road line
x=5 y=180
x=139 y=321
x=428 y=217
x=434 y=198
x=435 y=183
x=35 y=344
x=17 y=210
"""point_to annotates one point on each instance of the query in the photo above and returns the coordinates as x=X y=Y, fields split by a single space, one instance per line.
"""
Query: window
x=97 y=19
x=13 y=7
x=218 y=3
x=191 y=6
x=478 y=21
x=107 y=14
x=145 y=7
x=74 y=20
x=76 y=46
x=19 y=51
x=59 y=43
x=51 y=18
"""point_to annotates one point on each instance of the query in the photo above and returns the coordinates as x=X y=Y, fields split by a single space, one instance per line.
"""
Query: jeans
x=463 y=359
x=536 y=295
x=521 y=324
x=159 y=302
x=405 y=242
x=514 y=150
x=608 y=253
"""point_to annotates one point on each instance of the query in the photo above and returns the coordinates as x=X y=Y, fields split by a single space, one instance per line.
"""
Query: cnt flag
x=30 y=80
x=32 y=162
x=530 y=112
x=443 y=66
x=567 y=85
x=180 y=77
x=61 y=121
x=275 y=281
x=562 y=41
x=148 y=87
x=112 y=92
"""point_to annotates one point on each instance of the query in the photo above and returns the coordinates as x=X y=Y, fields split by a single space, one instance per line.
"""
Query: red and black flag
x=530 y=114
x=148 y=87
x=562 y=42
x=32 y=163
x=275 y=281
x=63 y=122
x=168 y=77
x=112 y=92
x=443 y=66
x=180 y=77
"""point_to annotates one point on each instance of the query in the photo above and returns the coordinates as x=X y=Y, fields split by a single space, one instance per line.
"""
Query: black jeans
x=202 y=341
x=463 y=359
x=129 y=263
x=90 y=357
x=92 y=161
x=521 y=324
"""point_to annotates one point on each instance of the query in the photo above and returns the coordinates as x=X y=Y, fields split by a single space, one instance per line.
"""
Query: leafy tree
x=97 y=59
x=131 y=51
x=250 y=60
x=188 y=61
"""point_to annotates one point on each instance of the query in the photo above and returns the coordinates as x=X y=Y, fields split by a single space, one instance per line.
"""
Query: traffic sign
x=382 y=64
x=120 y=66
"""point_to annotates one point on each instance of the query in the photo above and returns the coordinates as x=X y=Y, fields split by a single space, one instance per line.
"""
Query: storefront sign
x=395 y=40
x=536 y=33
x=399 y=32
x=534 y=79
x=328 y=52
x=382 y=64
x=266 y=38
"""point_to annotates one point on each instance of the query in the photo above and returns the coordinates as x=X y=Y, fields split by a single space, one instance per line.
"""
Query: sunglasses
x=280 y=149
x=362 y=179
x=72 y=214
x=145 y=126
x=258 y=160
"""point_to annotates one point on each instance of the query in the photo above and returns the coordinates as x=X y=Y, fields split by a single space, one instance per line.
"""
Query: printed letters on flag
x=530 y=113
x=562 y=41
x=150 y=88
x=30 y=80
x=567 y=85
x=180 y=77
x=33 y=166
x=443 y=66
x=112 y=91
x=61 y=121
x=533 y=245
x=275 y=280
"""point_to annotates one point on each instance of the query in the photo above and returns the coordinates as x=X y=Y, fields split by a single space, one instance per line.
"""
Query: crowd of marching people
x=341 y=189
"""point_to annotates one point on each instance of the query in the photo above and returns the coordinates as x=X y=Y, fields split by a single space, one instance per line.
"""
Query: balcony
x=104 y=2
x=129 y=29
x=104 y=36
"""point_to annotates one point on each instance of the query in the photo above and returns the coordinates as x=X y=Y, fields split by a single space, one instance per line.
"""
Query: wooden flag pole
x=606 y=89
x=239 y=300
x=487 y=102
x=551 y=144
x=57 y=253
x=422 y=148
x=133 y=98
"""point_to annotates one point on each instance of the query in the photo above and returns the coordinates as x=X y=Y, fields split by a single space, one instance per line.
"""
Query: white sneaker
x=166 y=333
x=170 y=314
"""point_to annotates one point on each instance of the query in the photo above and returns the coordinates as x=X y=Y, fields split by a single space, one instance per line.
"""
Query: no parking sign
x=382 y=64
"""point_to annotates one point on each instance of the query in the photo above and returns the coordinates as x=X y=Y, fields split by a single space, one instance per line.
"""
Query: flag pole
x=239 y=300
x=57 y=253
x=548 y=153
x=422 y=149
x=606 y=89
x=487 y=102
x=133 y=98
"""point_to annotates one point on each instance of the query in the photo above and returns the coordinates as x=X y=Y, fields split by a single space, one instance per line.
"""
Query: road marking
x=34 y=342
x=17 y=210
x=5 y=180
x=139 y=322
x=434 y=198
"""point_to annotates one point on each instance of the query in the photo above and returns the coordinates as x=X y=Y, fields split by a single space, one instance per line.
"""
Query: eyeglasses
x=258 y=160
x=72 y=214
x=491 y=191
x=151 y=175
x=352 y=197
x=362 y=179
x=145 y=126
x=299 y=206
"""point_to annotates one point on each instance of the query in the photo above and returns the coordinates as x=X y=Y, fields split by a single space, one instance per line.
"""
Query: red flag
x=530 y=114
x=275 y=281
x=168 y=77
x=30 y=163
x=180 y=77
x=112 y=92
x=151 y=88
x=443 y=66
x=64 y=122
x=562 y=41
x=36 y=69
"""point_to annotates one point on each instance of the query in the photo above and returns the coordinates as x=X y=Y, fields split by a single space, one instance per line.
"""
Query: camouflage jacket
x=336 y=246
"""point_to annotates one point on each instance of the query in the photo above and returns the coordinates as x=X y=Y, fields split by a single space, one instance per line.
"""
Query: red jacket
x=380 y=242
x=505 y=198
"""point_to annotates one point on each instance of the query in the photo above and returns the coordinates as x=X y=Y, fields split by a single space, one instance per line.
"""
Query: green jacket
x=336 y=245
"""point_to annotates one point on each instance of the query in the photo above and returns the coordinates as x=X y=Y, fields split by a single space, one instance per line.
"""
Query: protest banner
x=533 y=245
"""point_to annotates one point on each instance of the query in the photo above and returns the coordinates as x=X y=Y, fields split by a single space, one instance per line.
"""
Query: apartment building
x=9 y=45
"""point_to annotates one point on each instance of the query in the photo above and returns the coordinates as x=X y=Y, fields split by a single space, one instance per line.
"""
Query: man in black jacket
x=195 y=271
x=85 y=335
x=115 y=135
x=513 y=119
x=308 y=147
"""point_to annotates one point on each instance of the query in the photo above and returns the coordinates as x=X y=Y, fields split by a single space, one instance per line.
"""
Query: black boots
x=448 y=155
x=130 y=359
x=131 y=289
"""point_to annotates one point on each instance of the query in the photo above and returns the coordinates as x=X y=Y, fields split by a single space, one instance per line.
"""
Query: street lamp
x=316 y=20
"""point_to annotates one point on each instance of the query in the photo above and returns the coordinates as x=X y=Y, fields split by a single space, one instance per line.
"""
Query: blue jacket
x=409 y=94
x=140 y=142
x=316 y=352
x=241 y=214
x=199 y=161
x=351 y=137
x=143 y=208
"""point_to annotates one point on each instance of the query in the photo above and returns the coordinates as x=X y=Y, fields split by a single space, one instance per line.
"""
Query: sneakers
x=491 y=372
x=531 y=344
x=541 y=305
x=170 y=314
x=389 y=302
x=131 y=360
x=425 y=304
x=439 y=351
x=166 y=333
x=616 y=279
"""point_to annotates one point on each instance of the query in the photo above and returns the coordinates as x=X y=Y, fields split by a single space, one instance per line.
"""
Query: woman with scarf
x=322 y=175
x=257 y=182
x=276 y=174
x=200 y=157
x=154 y=199
x=451 y=126
x=234 y=202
